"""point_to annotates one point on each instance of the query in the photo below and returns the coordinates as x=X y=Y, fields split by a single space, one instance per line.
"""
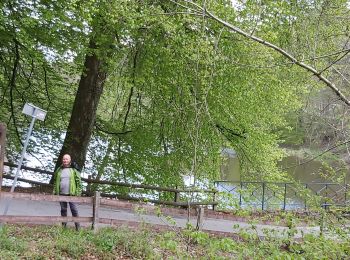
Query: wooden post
x=214 y=198
x=88 y=186
x=177 y=196
x=95 y=209
x=2 y=150
x=200 y=217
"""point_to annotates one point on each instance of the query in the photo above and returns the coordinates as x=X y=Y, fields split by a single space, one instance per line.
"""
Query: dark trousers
x=73 y=209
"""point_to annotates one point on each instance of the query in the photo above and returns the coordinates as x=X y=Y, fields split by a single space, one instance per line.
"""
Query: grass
x=53 y=242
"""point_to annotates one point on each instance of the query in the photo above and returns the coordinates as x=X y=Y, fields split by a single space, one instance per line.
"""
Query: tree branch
x=229 y=133
x=274 y=47
x=46 y=86
x=284 y=53
x=99 y=128
x=291 y=63
x=337 y=71
x=12 y=84
x=336 y=60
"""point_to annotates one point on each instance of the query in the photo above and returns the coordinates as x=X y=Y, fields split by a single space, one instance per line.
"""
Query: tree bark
x=3 y=130
x=83 y=115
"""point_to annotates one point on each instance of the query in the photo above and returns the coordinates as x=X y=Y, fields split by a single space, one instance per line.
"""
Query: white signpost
x=36 y=113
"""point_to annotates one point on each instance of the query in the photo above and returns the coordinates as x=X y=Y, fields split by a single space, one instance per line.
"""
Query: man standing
x=67 y=182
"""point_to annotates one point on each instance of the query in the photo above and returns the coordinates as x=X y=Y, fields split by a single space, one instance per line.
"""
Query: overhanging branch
x=99 y=128
x=272 y=46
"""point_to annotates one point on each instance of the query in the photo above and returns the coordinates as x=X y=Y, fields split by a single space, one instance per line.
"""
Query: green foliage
x=42 y=242
x=162 y=85
x=109 y=240
x=11 y=246
x=167 y=241
x=179 y=87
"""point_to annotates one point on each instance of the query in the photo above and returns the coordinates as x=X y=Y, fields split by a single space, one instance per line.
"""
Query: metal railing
x=279 y=195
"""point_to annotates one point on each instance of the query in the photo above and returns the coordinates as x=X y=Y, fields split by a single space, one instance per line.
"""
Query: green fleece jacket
x=74 y=182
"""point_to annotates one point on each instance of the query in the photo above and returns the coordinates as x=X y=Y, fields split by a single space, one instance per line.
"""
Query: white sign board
x=33 y=111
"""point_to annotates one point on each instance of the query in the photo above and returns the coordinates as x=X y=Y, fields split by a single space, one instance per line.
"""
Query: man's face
x=66 y=160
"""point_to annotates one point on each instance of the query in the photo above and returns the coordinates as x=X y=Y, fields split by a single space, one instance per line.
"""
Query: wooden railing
x=178 y=201
x=96 y=201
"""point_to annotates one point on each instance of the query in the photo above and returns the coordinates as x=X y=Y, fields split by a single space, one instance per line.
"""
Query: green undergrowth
x=53 y=242
x=279 y=217
x=284 y=218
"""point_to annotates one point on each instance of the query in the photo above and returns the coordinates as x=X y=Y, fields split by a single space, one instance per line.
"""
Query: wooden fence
x=177 y=201
x=96 y=201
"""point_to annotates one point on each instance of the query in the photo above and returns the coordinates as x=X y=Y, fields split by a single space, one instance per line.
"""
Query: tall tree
x=83 y=114
x=168 y=82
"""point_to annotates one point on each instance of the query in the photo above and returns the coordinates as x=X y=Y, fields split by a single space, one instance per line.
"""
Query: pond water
x=310 y=172
x=284 y=196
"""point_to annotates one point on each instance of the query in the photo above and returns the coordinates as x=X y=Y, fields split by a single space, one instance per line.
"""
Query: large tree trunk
x=84 y=110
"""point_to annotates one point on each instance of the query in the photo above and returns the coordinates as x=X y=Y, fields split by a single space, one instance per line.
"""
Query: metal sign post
x=35 y=113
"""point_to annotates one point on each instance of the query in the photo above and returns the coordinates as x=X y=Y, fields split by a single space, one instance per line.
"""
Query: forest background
x=153 y=91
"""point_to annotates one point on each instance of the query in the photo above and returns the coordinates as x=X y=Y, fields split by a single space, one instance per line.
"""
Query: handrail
x=262 y=192
x=176 y=201
x=144 y=186
x=282 y=183
x=7 y=176
x=9 y=164
x=123 y=197
x=123 y=184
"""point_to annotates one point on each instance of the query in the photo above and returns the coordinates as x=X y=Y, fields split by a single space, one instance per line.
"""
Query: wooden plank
x=45 y=197
x=117 y=222
x=116 y=203
x=7 y=176
x=95 y=210
x=193 y=203
x=2 y=150
x=161 y=202
x=42 y=219
x=29 y=168
x=144 y=186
